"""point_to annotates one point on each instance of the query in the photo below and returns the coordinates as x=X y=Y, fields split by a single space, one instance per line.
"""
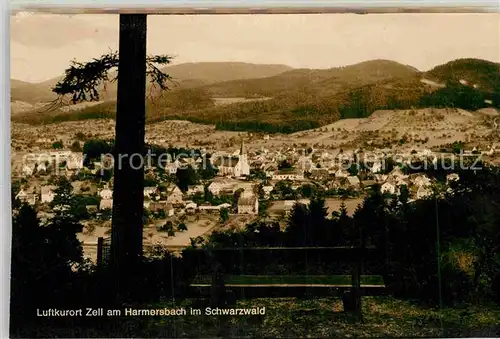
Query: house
x=41 y=167
x=191 y=207
x=28 y=170
x=156 y=206
x=341 y=173
x=397 y=172
x=26 y=197
x=333 y=184
x=288 y=205
x=106 y=204
x=319 y=174
x=388 y=187
x=376 y=167
x=306 y=164
x=151 y=191
x=368 y=183
x=452 y=177
x=225 y=165
x=47 y=194
x=288 y=174
x=193 y=189
x=226 y=185
x=248 y=204
x=169 y=210
x=353 y=181
x=267 y=191
x=106 y=193
x=174 y=194
x=424 y=192
x=75 y=162
x=380 y=177
x=420 y=180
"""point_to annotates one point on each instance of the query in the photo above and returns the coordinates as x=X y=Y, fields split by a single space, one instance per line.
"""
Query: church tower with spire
x=242 y=168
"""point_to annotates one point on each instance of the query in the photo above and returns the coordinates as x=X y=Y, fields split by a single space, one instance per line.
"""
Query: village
x=219 y=188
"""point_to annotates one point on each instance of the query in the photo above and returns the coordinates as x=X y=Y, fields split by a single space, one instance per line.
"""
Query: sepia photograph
x=303 y=174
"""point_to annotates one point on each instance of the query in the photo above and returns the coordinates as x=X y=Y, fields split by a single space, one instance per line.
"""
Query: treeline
x=256 y=126
x=485 y=74
x=457 y=95
x=48 y=270
x=467 y=220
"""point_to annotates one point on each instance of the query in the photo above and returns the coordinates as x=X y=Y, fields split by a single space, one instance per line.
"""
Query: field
x=152 y=236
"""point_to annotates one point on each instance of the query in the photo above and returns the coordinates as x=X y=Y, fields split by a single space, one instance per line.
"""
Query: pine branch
x=82 y=80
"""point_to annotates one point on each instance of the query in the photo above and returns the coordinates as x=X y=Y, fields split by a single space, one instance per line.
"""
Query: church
x=235 y=166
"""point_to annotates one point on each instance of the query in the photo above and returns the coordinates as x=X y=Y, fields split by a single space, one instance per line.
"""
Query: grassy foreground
x=292 y=317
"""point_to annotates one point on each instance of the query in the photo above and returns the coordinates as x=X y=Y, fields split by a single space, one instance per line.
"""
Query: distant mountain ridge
x=296 y=99
x=186 y=75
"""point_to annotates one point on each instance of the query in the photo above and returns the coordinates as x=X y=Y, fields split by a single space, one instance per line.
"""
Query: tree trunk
x=128 y=196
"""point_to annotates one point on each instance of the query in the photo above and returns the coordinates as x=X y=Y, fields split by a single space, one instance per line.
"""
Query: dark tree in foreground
x=42 y=260
x=81 y=82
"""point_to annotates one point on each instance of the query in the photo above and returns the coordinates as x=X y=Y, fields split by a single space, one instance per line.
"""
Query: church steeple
x=242 y=149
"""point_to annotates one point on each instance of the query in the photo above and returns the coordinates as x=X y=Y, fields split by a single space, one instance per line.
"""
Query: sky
x=43 y=44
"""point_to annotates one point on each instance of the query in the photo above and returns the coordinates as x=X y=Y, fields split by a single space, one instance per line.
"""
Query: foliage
x=58 y=145
x=93 y=149
x=283 y=189
x=75 y=146
x=82 y=80
x=224 y=215
x=285 y=165
x=42 y=258
x=186 y=177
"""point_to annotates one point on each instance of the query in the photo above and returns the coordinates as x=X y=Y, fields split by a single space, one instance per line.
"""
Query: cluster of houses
x=61 y=162
x=234 y=174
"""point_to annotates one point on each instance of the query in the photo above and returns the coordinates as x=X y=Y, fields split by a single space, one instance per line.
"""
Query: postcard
x=237 y=174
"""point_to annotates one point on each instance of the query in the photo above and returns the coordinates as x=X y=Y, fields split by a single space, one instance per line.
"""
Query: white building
x=452 y=177
x=106 y=193
x=388 y=187
x=106 y=204
x=288 y=175
x=377 y=167
x=75 y=162
x=28 y=170
x=41 y=167
x=47 y=194
x=248 y=203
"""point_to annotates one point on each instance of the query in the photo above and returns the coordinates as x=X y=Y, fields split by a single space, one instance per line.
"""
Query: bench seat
x=329 y=281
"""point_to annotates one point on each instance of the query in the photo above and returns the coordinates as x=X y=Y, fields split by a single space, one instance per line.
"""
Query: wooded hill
x=299 y=99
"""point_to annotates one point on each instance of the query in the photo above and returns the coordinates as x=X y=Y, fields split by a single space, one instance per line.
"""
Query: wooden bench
x=223 y=282
x=257 y=286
